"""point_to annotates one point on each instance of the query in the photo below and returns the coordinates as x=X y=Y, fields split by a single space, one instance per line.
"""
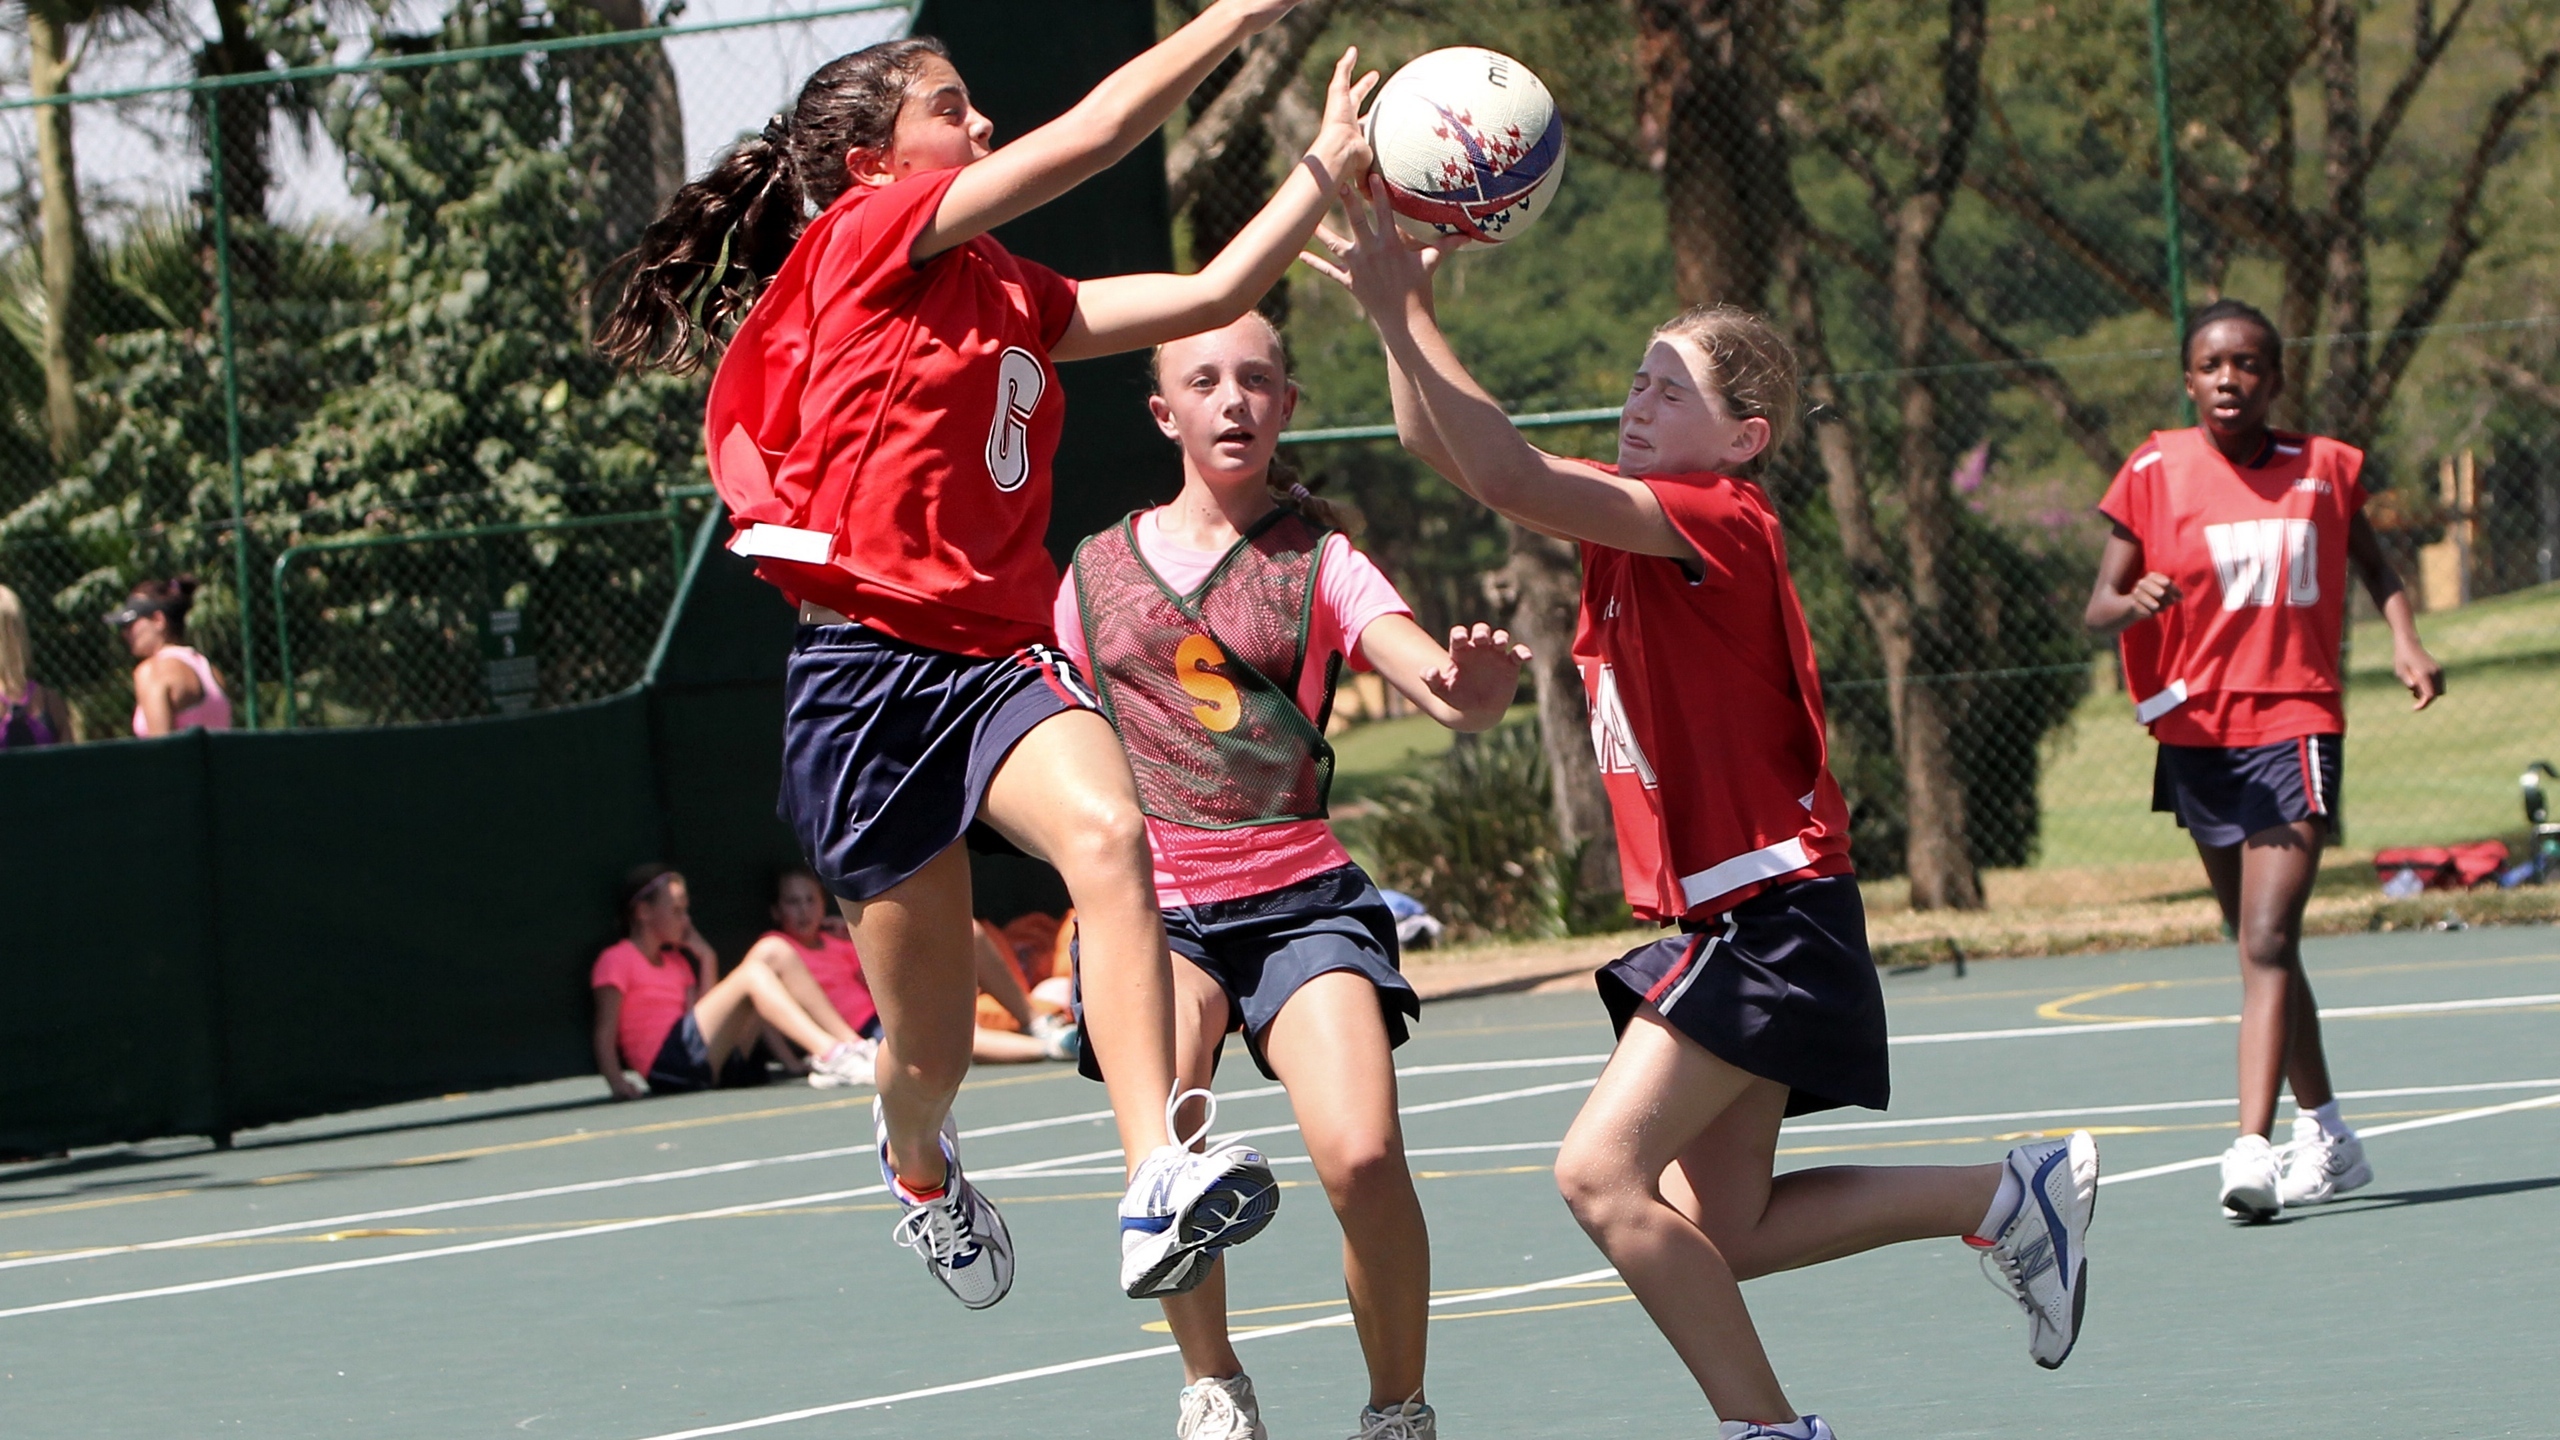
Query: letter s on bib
x=1193 y=660
x=1019 y=385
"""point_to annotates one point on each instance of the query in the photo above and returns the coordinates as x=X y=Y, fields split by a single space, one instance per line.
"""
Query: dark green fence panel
x=408 y=912
x=106 y=926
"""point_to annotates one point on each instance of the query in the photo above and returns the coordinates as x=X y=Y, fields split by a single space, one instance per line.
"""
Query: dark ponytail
x=171 y=598
x=698 y=266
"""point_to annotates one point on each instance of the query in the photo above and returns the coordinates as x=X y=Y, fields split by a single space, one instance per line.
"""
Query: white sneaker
x=1811 y=1426
x=2319 y=1167
x=1181 y=1208
x=1411 y=1420
x=1059 y=1037
x=849 y=1063
x=2252 y=1182
x=2038 y=1254
x=959 y=1234
x=1220 y=1410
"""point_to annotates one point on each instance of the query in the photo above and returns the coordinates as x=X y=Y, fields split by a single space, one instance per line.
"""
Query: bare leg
x=728 y=1014
x=1329 y=1046
x=1661 y=1096
x=1199 y=1318
x=1005 y=1047
x=2279 y=1021
x=915 y=943
x=1065 y=796
x=997 y=977
x=804 y=988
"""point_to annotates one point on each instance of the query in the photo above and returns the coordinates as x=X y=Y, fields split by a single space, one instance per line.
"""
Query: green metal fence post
x=231 y=402
x=2175 y=243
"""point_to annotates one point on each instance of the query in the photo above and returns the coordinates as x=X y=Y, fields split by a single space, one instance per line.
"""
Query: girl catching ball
x=881 y=428
x=1706 y=711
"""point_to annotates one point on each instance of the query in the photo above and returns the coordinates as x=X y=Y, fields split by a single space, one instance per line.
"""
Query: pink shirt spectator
x=837 y=967
x=654 y=997
x=1199 y=867
x=213 y=712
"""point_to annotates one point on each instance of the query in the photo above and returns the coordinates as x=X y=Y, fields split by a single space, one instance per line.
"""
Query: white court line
x=1343 y=1318
x=1034 y=1169
x=2189 y=1022
x=1268 y=1332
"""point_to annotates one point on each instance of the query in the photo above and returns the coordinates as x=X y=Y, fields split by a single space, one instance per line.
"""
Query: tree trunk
x=246 y=176
x=1229 y=183
x=1706 y=106
x=58 y=212
x=626 y=102
x=1544 y=580
x=2342 y=164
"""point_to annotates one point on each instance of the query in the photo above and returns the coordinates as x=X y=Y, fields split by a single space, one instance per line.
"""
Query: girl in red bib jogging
x=1706 y=711
x=881 y=428
x=2225 y=578
x=1214 y=629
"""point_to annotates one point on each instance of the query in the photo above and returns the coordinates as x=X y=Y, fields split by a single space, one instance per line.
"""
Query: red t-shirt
x=2249 y=655
x=882 y=431
x=1706 y=708
x=837 y=967
x=654 y=997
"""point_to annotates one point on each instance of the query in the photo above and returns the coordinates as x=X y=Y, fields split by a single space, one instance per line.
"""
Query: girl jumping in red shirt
x=1706 y=711
x=881 y=428
x=2226 y=578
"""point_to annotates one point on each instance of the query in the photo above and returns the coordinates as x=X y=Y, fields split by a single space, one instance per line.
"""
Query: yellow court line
x=2060 y=1009
x=1533 y=1309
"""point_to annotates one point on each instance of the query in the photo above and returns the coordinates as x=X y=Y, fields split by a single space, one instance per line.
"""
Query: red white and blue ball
x=1469 y=143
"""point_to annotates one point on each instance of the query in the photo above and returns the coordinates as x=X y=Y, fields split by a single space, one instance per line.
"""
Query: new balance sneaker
x=2037 y=1254
x=2252 y=1180
x=2319 y=1167
x=1804 y=1427
x=1411 y=1420
x=958 y=1232
x=849 y=1063
x=1220 y=1410
x=1181 y=1206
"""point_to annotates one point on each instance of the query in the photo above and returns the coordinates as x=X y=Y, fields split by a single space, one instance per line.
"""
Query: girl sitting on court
x=662 y=1008
x=2225 y=579
x=881 y=427
x=802 y=942
x=1213 y=629
x=1707 y=715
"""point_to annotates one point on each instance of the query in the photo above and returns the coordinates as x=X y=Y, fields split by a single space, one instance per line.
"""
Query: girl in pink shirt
x=174 y=687
x=1213 y=629
x=663 y=1009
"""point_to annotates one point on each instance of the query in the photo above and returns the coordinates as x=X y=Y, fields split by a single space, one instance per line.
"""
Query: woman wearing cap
x=174 y=687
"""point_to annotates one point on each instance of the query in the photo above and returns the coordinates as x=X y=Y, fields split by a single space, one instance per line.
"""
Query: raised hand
x=1382 y=267
x=1341 y=145
x=1483 y=673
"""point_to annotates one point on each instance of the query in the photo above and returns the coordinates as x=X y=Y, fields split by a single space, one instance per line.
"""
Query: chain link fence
x=1957 y=214
x=303 y=311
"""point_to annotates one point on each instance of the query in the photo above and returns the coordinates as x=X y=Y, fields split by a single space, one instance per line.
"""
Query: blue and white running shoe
x=1182 y=1207
x=959 y=1234
x=2037 y=1255
x=1804 y=1427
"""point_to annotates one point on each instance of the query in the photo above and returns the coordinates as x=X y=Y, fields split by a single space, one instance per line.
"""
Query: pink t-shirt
x=654 y=997
x=837 y=967
x=213 y=712
x=1198 y=867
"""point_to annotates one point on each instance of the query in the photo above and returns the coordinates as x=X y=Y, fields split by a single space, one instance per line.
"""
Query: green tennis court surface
x=530 y=1263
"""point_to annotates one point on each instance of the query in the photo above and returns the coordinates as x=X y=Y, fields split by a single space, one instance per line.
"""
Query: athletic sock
x=922 y=1197
x=2004 y=1204
x=2331 y=1124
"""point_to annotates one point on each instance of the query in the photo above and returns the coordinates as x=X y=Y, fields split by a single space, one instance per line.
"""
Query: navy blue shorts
x=1782 y=985
x=1262 y=948
x=684 y=1064
x=2223 y=796
x=887 y=747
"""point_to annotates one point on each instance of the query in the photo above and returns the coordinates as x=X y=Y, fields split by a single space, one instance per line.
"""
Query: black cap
x=134 y=608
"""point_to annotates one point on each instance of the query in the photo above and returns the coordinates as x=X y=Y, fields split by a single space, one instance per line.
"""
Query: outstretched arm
x=1129 y=105
x=2409 y=660
x=1465 y=687
x=1487 y=456
x=1131 y=312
